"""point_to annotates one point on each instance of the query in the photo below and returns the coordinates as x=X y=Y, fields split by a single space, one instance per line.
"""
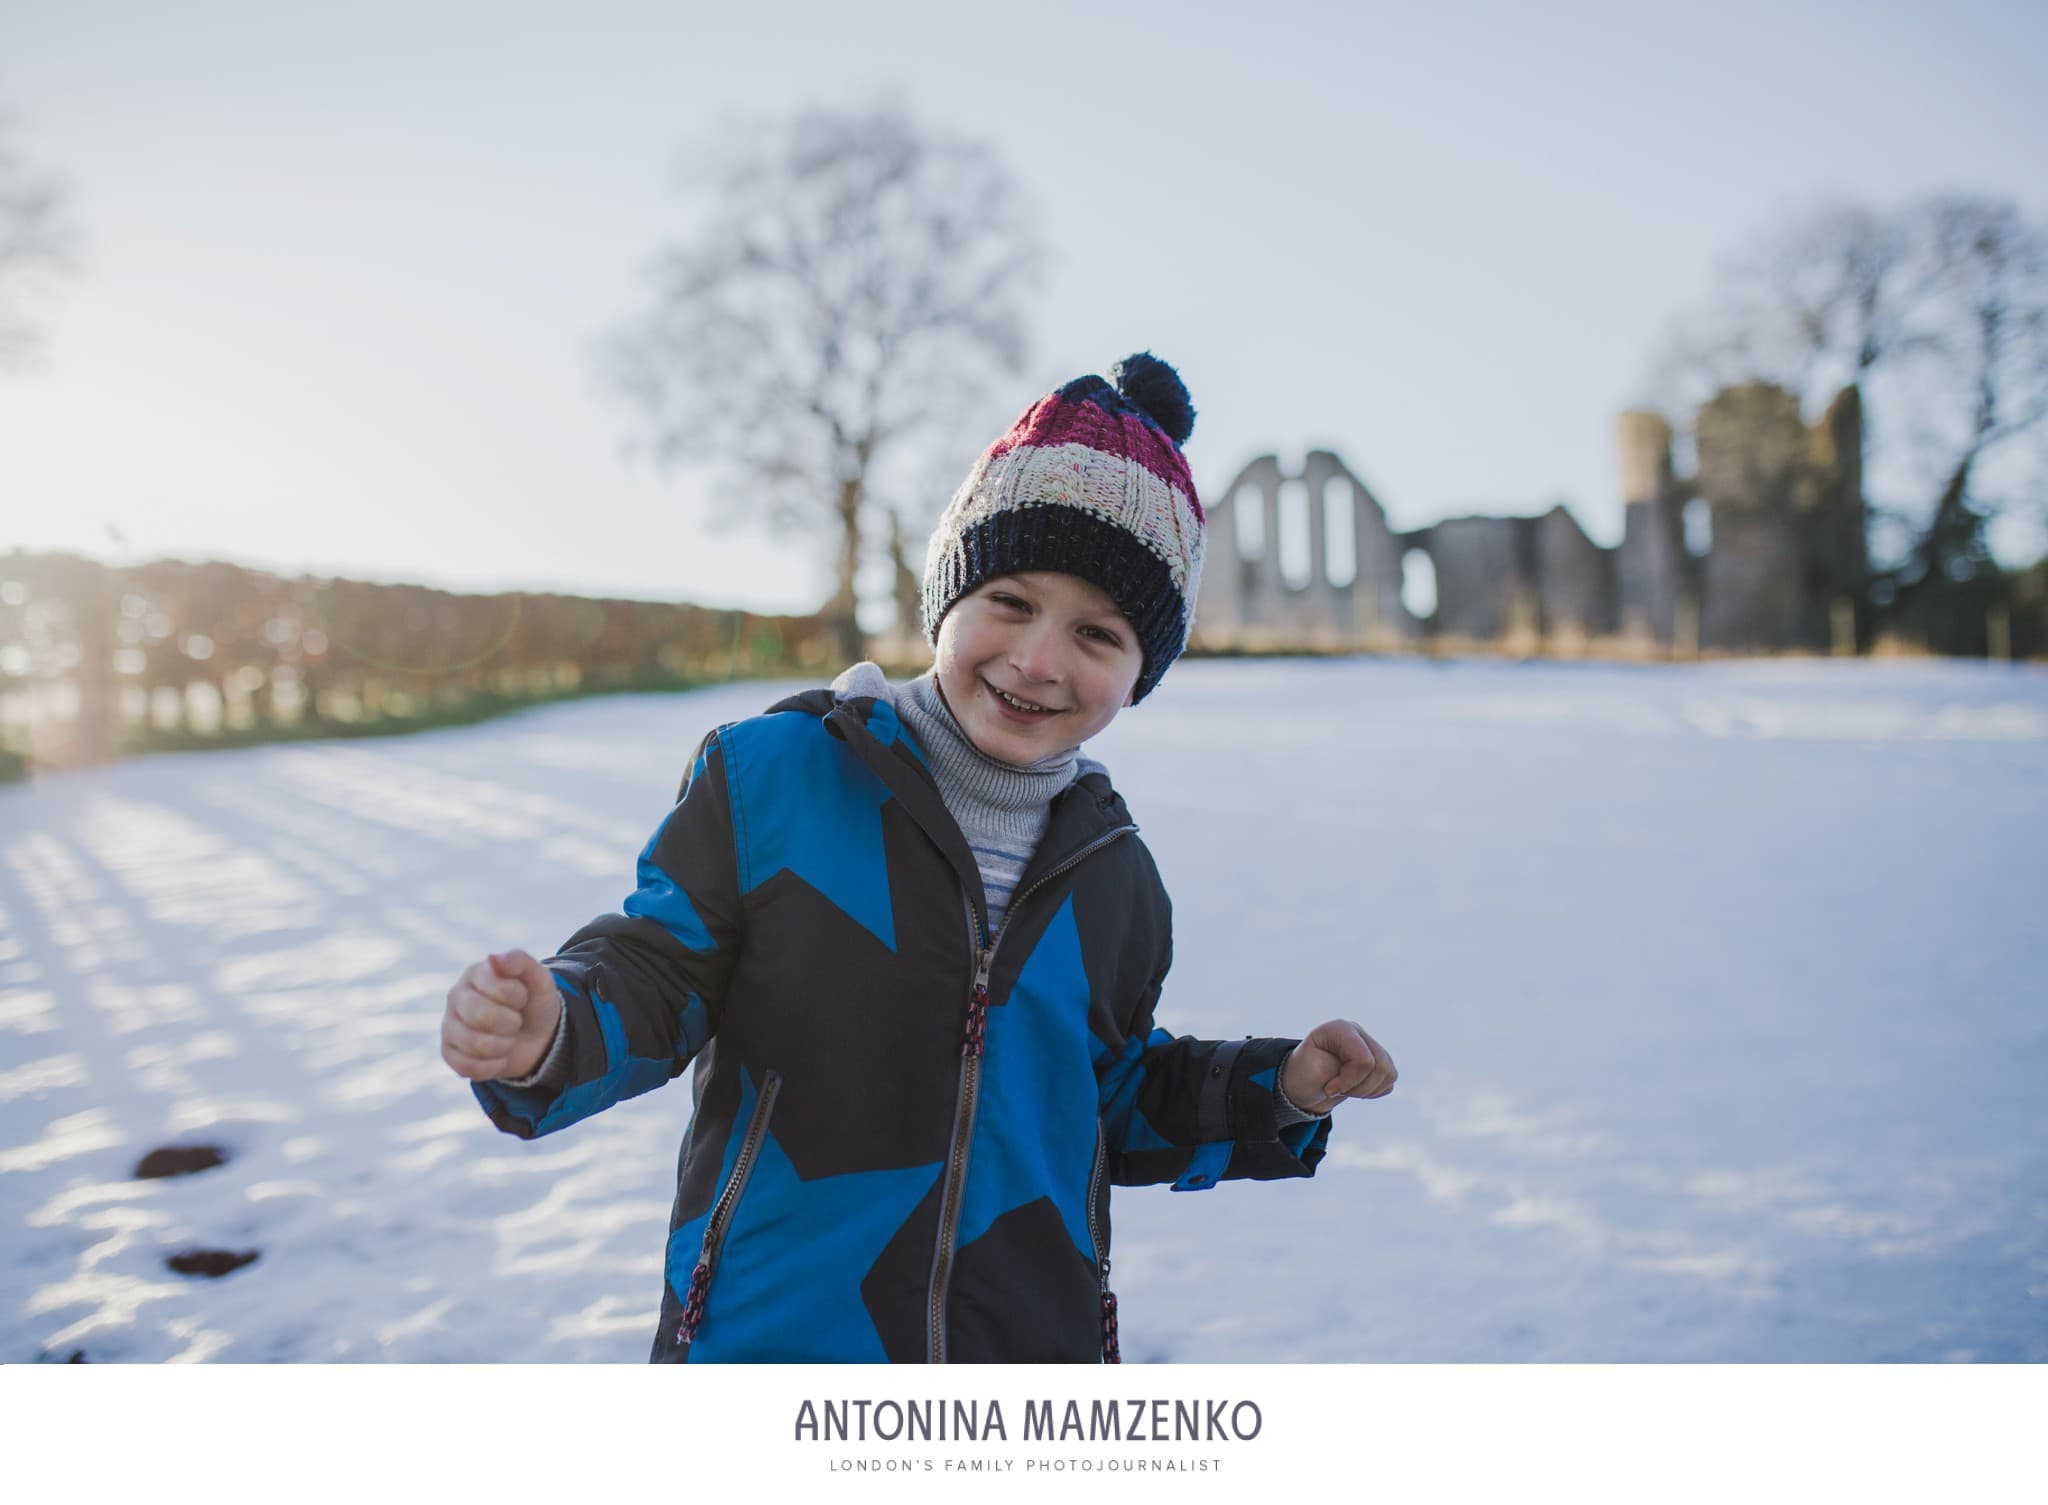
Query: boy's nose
x=1036 y=656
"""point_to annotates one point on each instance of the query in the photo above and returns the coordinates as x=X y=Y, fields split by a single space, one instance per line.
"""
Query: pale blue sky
x=346 y=263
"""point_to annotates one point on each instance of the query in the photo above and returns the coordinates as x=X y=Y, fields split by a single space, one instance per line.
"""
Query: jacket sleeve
x=642 y=991
x=1196 y=1112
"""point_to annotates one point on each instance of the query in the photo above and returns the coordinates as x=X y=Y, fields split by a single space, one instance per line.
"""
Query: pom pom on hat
x=1090 y=481
x=1148 y=383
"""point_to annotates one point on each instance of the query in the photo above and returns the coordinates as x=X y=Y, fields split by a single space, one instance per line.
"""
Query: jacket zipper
x=721 y=1212
x=970 y=1081
x=1110 y=1352
x=963 y=1133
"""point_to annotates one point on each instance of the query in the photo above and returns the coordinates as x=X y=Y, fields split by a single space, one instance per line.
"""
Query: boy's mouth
x=1016 y=708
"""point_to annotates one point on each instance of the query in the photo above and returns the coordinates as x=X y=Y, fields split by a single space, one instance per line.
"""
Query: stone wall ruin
x=1760 y=549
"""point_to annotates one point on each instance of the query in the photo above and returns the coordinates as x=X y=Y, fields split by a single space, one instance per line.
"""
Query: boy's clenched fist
x=1337 y=1060
x=500 y=1018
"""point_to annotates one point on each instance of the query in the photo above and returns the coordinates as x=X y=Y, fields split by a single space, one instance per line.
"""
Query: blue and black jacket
x=905 y=1128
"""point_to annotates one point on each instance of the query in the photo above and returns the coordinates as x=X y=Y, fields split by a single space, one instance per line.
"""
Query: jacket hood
x=860 y=709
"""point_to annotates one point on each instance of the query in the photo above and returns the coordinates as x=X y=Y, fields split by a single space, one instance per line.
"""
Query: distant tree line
x=96 y=660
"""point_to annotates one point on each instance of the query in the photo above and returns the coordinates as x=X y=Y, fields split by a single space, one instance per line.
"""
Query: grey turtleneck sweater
x=1002 y=809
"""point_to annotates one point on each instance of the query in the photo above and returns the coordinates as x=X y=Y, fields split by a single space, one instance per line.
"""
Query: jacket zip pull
x=693 y=1307
x=1111 y=1354
x=977 y=1006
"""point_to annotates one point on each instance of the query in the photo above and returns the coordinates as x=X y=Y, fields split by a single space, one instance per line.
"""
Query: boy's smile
x=1035 y=663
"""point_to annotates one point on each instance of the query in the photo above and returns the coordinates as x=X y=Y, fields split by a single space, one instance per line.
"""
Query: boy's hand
x=500 y=1017
x=1337 y=1060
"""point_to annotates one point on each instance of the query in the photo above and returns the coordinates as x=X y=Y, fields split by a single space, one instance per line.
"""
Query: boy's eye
x=1004 y=598
x=1102 y=635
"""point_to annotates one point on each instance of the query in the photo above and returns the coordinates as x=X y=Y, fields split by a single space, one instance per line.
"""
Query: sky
x=344 y=269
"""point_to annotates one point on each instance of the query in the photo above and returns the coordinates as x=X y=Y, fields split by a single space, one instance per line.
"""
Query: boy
x=912 y=943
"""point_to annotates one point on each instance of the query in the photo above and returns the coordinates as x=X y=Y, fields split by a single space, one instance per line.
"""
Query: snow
x=1715 y=991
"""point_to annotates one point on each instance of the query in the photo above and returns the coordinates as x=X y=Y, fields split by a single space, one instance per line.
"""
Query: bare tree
x=36 y=244
x=852 y=283
x=1938 y=313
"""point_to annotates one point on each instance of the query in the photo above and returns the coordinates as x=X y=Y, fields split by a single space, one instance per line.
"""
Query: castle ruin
x=1760 y=548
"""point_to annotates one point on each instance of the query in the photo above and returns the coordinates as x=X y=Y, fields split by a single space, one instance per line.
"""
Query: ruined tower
x=1655 y=573
x=1752 y=471
x=1837 y=554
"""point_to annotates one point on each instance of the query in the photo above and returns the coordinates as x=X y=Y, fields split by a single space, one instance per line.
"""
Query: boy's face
x=1035 y=663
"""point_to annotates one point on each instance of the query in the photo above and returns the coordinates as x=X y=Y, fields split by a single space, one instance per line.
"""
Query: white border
x=1428 y=1432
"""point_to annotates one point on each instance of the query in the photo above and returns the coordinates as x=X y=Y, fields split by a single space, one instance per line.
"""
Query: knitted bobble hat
x=1089 y=482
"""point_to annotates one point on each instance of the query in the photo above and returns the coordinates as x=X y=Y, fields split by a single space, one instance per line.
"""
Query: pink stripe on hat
x=1059 y=420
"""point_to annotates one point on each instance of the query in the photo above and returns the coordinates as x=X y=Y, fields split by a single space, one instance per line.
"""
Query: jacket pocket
x=722 y=1210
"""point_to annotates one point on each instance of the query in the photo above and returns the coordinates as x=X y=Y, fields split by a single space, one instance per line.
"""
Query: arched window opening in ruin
x=1340 y=534
x=1698 y=522
x=1295 y=560
x=1248 y=507
x=1418 y=584
x=1685 y=452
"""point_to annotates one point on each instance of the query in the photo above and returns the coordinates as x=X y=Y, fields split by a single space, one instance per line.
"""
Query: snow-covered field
x=1717 y=993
